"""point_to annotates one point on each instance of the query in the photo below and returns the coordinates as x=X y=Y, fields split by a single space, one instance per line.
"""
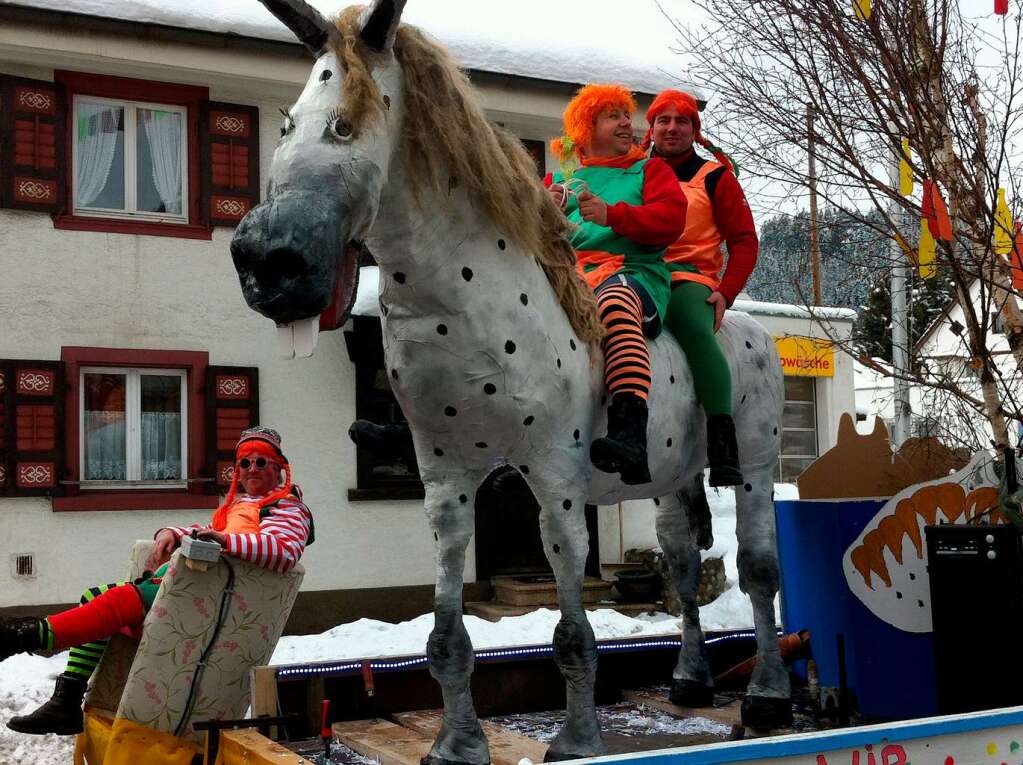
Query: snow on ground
x=27 y=681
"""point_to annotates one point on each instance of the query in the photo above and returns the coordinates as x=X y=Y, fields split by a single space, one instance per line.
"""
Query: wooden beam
x=726 y=715
x=383 y=741
x=506 y=747
x=263 y=694
x=248 y=747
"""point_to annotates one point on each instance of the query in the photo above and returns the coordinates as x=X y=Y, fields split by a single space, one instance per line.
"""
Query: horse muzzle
x=295 y=265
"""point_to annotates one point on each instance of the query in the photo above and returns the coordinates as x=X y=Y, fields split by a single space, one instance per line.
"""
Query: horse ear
x=380 y=24
x=309 y=26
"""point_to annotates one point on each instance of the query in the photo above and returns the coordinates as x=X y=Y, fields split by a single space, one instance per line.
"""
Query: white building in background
x=129 y=361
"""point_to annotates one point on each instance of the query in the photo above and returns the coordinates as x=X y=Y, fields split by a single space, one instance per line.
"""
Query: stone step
x=543 y=591
x=492 y=610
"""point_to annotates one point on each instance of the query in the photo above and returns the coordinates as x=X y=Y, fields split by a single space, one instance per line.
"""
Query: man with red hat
x=263 y=521
x=717 y=212
x=627 y=208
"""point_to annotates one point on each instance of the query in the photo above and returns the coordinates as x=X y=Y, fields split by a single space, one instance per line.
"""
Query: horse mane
x=451 y=137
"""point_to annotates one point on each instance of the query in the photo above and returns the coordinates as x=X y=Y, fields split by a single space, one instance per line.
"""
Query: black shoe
x=19 y=635
x=723 y=451
x=62 y=714
x=389 y=441
x=623 y=449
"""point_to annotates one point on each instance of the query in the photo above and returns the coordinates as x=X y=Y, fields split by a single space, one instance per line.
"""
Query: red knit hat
x=584 y=108
x=685 y=105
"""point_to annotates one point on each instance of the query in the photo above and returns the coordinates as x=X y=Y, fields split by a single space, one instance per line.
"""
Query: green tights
x=691 y=320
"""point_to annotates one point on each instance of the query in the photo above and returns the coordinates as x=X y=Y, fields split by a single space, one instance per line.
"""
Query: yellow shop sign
x=806 y=356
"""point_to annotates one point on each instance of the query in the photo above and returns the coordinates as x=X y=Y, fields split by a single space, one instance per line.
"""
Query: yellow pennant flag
x=1004 y=230
x=862 y=9
x=905 y=171
x=925 y=258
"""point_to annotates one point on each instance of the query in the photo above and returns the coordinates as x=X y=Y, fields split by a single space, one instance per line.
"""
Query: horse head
x=297 y=252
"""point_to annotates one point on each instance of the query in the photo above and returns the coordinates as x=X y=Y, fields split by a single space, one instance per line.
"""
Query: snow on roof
x=571 y=41
x=759 y=308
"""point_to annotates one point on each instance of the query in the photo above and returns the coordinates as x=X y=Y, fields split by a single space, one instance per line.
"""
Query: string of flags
x=862 y=8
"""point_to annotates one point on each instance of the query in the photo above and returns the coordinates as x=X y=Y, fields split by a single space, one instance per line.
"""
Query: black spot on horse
x=668 y=444
x=399 y=277
x=439 y=452
x=442 y=329
x=450 y=411
x=490 y=389
x=743 y=398
x=325 y=75
x=524 y=298
x=575 y=434
x=394 y=374
x=383 y=308
x=749 y=344
x=920 y=603
x=467 y=274
x=509 y=347
x=462 y=498
x=524 y=469
x=501 y=244
x=657 y=501
x=556 y=548
x=528 y=421
x=775 y=432
x=567 y=504
x=748 y=487
x=571 y=344
x=912 y=577
x=898 y=595
x=435 y=537
x=481 y=444
x=559 y=363
x=387 y=102
x=672 y=379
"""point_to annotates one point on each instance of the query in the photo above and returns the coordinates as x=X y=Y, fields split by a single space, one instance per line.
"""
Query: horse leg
x=692 y=684
x=566 y=542
x=449 y=510
x=768 y=699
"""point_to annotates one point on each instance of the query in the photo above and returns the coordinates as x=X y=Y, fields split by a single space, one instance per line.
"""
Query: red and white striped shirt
x=278 y=544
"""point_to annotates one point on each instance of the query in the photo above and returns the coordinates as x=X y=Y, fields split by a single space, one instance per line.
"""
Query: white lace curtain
x=161 y=446
x=106 y=447
x=96 y=145
x=163 y=133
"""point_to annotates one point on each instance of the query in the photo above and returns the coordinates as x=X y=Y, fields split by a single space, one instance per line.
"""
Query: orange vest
x=699 y=246
x=242 y=518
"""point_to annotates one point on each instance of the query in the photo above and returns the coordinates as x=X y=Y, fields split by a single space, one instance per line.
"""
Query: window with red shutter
x=230 y=161
x=31 y=428
x=32 y=167
x=232 y=405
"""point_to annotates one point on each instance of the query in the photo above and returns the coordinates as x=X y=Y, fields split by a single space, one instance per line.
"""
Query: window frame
x=189 y=97
x=810 y=403
x=196 y=496
x=130 y=212
x=133 y=417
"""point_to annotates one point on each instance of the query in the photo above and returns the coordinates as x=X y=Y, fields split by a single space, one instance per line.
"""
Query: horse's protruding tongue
x=346 y=286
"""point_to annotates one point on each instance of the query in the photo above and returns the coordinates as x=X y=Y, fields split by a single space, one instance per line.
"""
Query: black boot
x=623 y=449
x=389 y=441
x=723 y=451
x=62 y=714
x=19 y=635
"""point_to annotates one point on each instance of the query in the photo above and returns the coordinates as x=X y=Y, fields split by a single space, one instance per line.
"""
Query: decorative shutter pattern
x=232 y=405
x=31 y=427
x=31 y=144
x=230 y=161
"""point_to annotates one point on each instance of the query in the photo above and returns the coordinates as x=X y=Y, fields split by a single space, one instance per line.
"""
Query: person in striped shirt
x=262 y=520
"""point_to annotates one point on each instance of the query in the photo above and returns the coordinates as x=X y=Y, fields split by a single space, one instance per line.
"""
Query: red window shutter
x=32 y=141
x=232 y=405
x=230 y=161
x=31 y=428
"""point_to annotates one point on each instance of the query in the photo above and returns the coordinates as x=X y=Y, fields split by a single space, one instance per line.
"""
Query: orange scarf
x=631 y=157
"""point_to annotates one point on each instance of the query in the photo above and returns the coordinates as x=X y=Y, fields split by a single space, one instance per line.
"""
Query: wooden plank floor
x=726 y=715
x=506 y=747
x=384 y=741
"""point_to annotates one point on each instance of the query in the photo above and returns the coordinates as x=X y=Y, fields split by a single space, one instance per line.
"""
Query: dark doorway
x=508 y=539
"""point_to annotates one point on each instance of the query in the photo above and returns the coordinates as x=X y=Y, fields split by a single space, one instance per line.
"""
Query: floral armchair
x=148 y=683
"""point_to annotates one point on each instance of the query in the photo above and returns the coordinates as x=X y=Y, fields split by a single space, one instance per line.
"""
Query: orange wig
x=584 y=108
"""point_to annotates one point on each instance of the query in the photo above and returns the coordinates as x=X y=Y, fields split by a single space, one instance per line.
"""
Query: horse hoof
x=766 y=712
x=432 y=759
x=689 y=693
x=552 y=756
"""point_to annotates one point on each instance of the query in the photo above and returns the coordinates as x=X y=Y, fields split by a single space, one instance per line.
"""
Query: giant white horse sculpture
x=490 y=346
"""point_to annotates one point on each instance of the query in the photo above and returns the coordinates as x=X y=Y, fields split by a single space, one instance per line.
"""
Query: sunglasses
x=260 y=462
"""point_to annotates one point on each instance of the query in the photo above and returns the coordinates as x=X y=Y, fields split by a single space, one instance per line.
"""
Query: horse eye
x=343 y=129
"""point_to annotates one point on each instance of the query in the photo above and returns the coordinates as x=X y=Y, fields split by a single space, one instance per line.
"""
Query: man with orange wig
x=628 y=209
x=717 y=213
x=263 y=521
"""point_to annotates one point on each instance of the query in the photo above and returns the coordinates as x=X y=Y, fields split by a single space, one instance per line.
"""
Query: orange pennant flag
x=935 y=211
x=1017 y=258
